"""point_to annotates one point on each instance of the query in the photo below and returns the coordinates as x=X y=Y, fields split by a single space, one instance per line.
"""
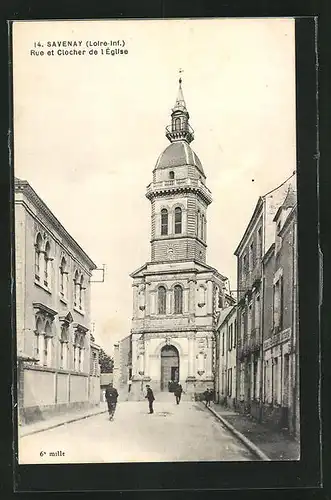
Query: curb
x=53 y=426
x=251 y=446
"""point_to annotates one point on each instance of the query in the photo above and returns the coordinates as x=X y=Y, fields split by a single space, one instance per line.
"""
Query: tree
x=106 y=362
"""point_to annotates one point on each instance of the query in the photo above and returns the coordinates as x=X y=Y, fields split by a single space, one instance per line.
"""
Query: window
x=229 y=382
x=178 y=292
x=286 y=380
x=278 y=239
x=63 y=278
x=63 y=345
x=251 y=255
x=38 y=332
x=46 y=263
x=222 y=343
x=249 y=320
x=177 y=124
x=162 y=297
x=171 y=175
x=230 y=335
x=164 y=221
x=275 y=380
x=278 y=305
x=76 y=289
x=257 y=312
x=78 y=351
x=47 y=340
x=244 y=266
x=243 y=325
x=202 y=226
x=235 y=334
x=255 y=396
x=37 y=256
x=81 y=293
x=198 y=222
x=259 y=243
x=178 y=220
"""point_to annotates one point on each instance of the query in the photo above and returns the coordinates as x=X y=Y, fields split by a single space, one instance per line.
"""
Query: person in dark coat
x=178 y=392
x=206 y=396
x=111 y=398
x=150 y=397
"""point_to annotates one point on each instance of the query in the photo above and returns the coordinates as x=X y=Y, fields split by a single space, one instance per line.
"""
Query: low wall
x=47 y=392
x=94 y=390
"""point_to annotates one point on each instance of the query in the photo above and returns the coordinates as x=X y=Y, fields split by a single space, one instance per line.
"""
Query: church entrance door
x=169 y=366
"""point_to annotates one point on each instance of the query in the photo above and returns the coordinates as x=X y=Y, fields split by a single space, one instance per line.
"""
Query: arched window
x=164 y=221
x=47 y=343
x=64 y=346
x=178 y=293
x=177 y=124
x=63 y=278
x=76 y=289
x=37 y=256
x=81 y=293
x=171 y=174
x=162 y=297
x=198 y=222
x=202 y=226
x=38 y=332
x=46 y=263
x=178 y=220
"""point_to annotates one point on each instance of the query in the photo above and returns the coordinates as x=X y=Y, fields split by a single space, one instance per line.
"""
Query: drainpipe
x=294 y=331
x=262 y=381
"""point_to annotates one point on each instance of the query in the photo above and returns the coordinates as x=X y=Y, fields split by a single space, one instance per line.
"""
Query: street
x=184 y=432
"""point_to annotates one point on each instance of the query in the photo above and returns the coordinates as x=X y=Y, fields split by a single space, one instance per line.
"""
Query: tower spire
x=180 y=101
x=180 y=129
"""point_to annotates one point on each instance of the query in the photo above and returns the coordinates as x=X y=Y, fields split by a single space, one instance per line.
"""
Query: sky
x=88 y=131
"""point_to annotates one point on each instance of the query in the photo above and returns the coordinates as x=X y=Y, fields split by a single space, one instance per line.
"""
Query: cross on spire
x=180 y=71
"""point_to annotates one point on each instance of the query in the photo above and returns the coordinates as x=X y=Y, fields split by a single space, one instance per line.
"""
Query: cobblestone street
x=185 y=432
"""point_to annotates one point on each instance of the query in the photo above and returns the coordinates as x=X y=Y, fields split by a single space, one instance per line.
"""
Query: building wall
x=190 y=244
x=50 y=383
x=227 y=355
x=281 y=384
x=262 y=360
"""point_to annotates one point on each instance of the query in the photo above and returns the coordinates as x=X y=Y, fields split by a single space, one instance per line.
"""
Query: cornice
x=166 y=191
x=256 y=214
x=178 y=237
x=25 y=188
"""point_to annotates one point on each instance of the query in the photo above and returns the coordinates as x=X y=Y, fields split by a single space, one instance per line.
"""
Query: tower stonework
x=176 y=295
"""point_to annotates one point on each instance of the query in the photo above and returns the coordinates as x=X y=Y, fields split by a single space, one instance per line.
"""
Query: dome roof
x=177 y=154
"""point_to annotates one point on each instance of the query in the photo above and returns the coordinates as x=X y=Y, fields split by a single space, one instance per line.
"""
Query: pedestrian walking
x=129 y=385
x=209 y=396
x=111 y=398
x=150 y=397
x=205 y=397
x=178 y=393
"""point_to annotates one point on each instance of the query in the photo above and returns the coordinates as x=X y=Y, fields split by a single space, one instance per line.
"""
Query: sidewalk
x=57 y=420
x=273 y=445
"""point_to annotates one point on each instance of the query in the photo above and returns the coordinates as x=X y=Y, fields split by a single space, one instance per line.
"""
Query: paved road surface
x=184 y=432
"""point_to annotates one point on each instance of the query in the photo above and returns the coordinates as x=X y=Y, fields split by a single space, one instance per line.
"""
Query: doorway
x=169 y=366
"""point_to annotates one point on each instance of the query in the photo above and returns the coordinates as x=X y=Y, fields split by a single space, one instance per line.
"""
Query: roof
x=177 y=154
x=26 y=188
x=257 y=209
x=289 y=202
x=180 y=104
x=224 y=313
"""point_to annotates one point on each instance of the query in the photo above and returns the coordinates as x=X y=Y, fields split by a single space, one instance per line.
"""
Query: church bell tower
x=178 y=194
x=176 y=294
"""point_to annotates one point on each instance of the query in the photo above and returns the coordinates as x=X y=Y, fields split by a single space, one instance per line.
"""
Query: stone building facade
x=281 y=403
x=226 y=357
x=177 y=295
x=58 y=364
x=255 y=301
